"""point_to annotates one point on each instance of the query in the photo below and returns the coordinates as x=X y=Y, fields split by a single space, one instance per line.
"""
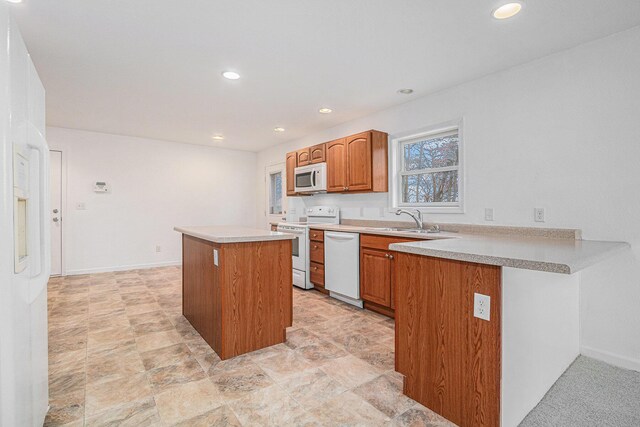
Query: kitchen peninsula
x=236 y=286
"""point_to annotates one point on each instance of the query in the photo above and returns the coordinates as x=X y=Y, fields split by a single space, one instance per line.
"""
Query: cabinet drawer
x=317 y=273
x=316 y=252
x=316 y=235
x=381 y=242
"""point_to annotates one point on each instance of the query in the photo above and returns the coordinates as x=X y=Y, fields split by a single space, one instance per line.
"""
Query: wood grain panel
x=359 y=163
x=316 y=252
x=291 y=163
x=243 y=304
x=336 y=166
x=450 y=359
x=375 y=276
x=317 y=153
x=201 y=294
x=303 y=157
x=316 y=235
x=257 y=294
x=373 y=241
x=317 y=273
x=380 y=161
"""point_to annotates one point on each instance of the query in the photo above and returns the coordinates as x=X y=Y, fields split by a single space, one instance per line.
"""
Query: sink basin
x=404 y=230
x=388 y=229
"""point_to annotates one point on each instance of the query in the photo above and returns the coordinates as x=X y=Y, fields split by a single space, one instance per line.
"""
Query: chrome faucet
x=417 y=217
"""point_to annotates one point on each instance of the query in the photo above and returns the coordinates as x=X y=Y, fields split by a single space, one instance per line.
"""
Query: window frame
x=271 y=170
x=396 y=166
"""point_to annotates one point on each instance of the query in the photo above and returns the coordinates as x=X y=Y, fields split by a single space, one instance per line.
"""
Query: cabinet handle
x=390 y=256
x=315 y=268
x=386 y=255
x=315 y=246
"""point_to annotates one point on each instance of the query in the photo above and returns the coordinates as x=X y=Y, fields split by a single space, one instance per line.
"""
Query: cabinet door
x=336 y=165
x=291 y=165
x=317 y=153
x=375 y=276
x=359 y=174
x=303 y=157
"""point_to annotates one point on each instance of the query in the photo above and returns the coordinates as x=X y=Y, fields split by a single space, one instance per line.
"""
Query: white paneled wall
x=560 y=133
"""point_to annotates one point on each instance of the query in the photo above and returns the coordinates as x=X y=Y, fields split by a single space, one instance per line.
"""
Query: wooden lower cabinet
x=375 y=277
x=451 y=360
x=245 y=301
x=316 y=259
x=376 y=272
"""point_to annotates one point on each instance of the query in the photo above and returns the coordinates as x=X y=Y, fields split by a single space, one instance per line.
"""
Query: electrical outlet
x=481 y=306
x=158 y=248
x=538 y=214
x=215 y=257
x=488 y=214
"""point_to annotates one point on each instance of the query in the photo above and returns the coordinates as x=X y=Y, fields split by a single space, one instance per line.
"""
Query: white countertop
x=564 y=256
x=233 y=234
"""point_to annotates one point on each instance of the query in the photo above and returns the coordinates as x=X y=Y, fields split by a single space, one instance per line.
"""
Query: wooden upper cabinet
x=357 y=163
x=359 y=176
x=291 y=165
x=317 y=153
x=375 y=280
x=304 y=157
x=337 y=165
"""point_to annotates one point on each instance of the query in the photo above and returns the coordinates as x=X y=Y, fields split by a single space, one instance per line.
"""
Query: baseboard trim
x=611 y=358
x=121 y=268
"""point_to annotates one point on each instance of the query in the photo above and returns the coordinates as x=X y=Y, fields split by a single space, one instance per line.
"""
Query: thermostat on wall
x=101 y=187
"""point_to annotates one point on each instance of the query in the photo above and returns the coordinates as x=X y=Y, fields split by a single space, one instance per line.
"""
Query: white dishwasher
x=342 y=266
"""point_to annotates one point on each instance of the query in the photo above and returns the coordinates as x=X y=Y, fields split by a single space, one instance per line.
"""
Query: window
x=275 y=201
x=275 y=180
x=428 y=170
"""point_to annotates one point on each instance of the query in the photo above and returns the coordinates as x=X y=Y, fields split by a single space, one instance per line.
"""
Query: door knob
x=55 y=211
x=55 y=219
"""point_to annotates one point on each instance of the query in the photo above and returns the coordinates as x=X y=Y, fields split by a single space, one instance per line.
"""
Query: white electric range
x=300 y=246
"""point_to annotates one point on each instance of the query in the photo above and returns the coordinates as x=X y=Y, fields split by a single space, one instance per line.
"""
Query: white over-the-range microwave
x=311 y=178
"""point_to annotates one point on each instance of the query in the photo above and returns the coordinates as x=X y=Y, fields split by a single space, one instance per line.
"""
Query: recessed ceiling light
x=217 y=137
x=405 y=91
x=507 y=10
x=231 y=75
x=325 y=110
x=14 y=1
x=278 y=129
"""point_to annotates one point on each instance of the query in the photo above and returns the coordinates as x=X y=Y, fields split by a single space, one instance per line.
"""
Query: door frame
x=63 y=205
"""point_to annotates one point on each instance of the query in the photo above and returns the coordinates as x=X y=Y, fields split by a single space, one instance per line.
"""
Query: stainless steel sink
x=403 y=230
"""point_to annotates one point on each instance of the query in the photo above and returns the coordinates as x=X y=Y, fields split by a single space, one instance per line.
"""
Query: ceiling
x=152 y=68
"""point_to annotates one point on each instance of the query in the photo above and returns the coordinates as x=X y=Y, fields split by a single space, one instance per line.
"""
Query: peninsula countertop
x=233 y=234
x=555 y=255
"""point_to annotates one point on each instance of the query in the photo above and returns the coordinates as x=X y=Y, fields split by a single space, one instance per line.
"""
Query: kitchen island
x=237 y=286
x=485 y=325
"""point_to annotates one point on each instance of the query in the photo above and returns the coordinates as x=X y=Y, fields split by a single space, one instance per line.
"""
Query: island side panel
x=257 y=295
x=201 y=296
x=450 y=359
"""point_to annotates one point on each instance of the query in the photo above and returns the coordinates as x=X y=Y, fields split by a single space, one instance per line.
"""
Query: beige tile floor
x=121 y=354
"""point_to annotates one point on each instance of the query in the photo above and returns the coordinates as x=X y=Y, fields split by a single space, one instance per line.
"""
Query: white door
x=56 y=212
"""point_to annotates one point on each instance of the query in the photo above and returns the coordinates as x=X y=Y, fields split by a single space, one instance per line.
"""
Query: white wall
x=155 y=185
x=562 y=133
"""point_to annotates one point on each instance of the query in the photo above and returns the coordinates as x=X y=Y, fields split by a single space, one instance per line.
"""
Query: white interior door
x=56 y=212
